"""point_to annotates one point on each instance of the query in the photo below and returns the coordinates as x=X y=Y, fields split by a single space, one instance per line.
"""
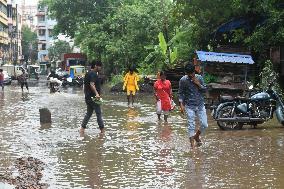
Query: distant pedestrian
x=2 y=79
x=23 y=80
x=131 y=85
x=191 y=98
x=92 y=90
x=163 y=94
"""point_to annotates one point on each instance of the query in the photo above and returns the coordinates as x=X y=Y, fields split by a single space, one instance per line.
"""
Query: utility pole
x=17 y=35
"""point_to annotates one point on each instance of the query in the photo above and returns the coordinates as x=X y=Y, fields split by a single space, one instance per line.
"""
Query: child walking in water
x=131 y=85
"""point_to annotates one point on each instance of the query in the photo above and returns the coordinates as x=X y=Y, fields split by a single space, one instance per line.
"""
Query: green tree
x=163 y=55
x=267 y=26
x=115 y=32
x=29 y=44
x=71 y=15
x=57 y=49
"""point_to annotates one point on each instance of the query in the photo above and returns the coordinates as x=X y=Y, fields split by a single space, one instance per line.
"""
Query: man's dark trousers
x=91 y=106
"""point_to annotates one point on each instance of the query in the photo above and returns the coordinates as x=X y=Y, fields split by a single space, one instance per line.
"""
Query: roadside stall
x=225 y=73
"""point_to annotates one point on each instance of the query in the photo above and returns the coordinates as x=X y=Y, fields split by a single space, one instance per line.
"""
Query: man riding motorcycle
x=54 y=79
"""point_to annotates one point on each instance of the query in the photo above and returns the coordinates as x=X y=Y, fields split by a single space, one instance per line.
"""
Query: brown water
x=136 y=151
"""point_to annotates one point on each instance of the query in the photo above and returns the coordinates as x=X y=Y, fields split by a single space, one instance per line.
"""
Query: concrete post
x=45 y=115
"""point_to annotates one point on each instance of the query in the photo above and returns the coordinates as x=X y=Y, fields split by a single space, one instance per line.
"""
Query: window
x=50 y=32
x=3 y=8
x=41 y=32
x=41 y=18
x=9 y=11
x=40 y=8
x=14 y=13
x=43 y=47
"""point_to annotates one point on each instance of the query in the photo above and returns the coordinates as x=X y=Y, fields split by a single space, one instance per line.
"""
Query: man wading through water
x=2 y=79
x=23 y=80
x=191 y=89
x=92 y=90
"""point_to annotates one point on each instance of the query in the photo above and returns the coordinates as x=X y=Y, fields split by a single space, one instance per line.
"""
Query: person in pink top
x=2 y=79
x=163 y=94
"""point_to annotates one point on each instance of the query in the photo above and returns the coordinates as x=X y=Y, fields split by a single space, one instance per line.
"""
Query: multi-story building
x=44 y=29
x=29 y=15
x=14 y=32
x=3 y=32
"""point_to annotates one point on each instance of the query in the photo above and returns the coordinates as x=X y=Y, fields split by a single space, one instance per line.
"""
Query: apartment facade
x=3 y=32
x=44 y=30
x=29 y=16
x=14 y=33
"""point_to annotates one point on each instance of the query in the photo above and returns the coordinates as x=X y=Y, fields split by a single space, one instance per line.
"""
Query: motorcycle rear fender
x=280 y=114
x=220 y=106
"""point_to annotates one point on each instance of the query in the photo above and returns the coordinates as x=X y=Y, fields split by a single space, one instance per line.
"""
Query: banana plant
x=163 y=55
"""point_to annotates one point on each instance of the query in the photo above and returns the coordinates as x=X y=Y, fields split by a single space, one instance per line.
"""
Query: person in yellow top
x=131 y=84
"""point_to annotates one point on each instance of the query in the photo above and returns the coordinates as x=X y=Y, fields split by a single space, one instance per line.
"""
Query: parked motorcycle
x=233 y=113
x=66 y=81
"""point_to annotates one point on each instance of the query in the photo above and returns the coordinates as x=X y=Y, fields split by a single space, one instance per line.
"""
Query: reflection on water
x=136 y=150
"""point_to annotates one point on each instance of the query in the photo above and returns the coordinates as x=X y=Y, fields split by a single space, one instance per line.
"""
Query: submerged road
x=136 y=151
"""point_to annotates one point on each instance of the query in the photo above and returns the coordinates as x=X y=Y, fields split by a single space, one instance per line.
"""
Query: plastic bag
x=98 y=101
x=173 y=104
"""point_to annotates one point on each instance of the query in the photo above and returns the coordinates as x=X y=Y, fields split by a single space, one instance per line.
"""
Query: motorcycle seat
x=226 y=98
x=241 y=98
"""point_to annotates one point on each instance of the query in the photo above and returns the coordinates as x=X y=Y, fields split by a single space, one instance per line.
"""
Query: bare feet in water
x=82 y=132
x=102 y=130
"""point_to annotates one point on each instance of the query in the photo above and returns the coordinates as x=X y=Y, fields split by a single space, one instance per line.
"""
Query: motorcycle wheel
x=52 y=88
x=226 y=112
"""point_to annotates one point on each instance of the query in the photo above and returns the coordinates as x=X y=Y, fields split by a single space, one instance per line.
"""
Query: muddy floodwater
x=136 y=150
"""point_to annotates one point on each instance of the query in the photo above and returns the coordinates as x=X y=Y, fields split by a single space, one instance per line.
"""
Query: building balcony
x=4 y=16
x=41 y=37
x=41 y=13
x=4 y=34
x=41 y=25
x=3 y=20
x=4 y=41
x=4 y=2
x=38 y=27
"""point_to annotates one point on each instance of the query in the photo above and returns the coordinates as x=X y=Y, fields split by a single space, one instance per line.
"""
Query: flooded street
x=136 y=150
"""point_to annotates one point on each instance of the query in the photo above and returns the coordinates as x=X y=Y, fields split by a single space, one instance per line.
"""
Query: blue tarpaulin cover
x=224 y=57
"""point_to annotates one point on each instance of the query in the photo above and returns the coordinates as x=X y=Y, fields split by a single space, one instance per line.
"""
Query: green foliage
x=173 y=55
x=267 y=15
x=148 y=69
x=29 y=44
x=110 y=30
x=115 y=79
x=267 y=76
x=162 y=43
x=208 y=78
x=123 y=33
x=162 y=55
x=57 y=49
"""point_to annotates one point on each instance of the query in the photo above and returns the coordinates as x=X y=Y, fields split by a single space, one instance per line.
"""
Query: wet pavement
x=136 y=150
